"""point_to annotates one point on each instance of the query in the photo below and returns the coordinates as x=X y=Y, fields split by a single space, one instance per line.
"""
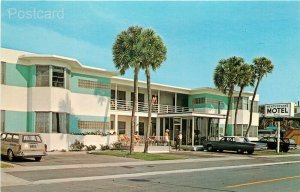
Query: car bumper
x=31 y=154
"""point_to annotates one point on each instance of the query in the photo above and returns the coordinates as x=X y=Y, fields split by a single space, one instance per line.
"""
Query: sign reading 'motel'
x=279 y=110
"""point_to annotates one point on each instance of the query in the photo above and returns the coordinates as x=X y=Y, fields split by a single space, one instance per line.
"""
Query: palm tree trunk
x=228 y=110
x=251 y=107
x=237 y=109
x=149 y=110
x=134 y=108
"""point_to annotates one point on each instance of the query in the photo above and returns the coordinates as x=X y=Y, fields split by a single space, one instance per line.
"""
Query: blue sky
x=197 y=36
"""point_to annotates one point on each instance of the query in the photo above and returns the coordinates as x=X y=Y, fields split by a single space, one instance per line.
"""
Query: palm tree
x=155 y=54
x=244 y=79
x=262 y=66
x=225 y=79
x=128 y=53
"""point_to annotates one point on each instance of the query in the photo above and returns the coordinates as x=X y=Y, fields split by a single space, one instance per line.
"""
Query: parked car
x=23 y=145
x=258 y=146
x=230 y=143
x=272 y=143
x=293 y=144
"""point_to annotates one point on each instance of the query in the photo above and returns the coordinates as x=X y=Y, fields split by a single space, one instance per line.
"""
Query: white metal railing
x=123 y=105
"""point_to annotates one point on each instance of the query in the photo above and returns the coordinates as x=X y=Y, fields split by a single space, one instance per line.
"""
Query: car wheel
x=38 y=158
x=250 y=152
x=221 y=150
x=286 y=149
x=10 y=155
x=210 y=148
x=240 y=151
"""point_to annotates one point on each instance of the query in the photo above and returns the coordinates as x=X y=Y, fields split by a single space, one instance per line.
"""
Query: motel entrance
x=195 y=127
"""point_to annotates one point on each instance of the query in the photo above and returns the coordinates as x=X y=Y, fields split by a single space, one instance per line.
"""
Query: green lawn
x=4 y=165
x=142 y=156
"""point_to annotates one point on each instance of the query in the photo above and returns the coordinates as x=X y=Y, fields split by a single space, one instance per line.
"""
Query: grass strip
x=141 y=156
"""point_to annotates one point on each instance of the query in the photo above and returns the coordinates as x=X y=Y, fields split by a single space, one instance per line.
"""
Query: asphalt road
x=236 y=173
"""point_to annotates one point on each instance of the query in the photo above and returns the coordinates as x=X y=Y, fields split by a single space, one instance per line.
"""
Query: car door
x=15 y=143
x=6 y=143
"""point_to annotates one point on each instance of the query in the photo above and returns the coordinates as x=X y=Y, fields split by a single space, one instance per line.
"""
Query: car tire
x=285 y=149
x=37 y=158
x=220 y=150
x=10 y=155
x=210 y=148
x=240 y=151
x=250 y=152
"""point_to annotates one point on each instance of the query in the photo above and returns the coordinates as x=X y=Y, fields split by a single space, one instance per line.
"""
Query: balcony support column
x=116 y=96
x=193 y=130
x=116 y=123
x=158 y=101
x=157 y=126
x=175 y=102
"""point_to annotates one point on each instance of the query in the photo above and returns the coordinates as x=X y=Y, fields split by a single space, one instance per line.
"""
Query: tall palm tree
x=244 y=79
x=262 y=66
x=155 y=54
x=225 y=79
x=128 y=53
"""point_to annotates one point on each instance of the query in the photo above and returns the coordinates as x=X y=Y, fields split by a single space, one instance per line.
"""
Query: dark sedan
x=272 y=143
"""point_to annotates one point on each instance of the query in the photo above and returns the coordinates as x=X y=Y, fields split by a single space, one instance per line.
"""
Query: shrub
x=77 y=146
x=117 y=145
x=63 y=150
x=90 y=147
x=104 y=147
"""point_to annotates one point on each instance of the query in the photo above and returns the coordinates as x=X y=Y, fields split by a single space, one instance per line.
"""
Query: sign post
x=278 y=137
x=279 y=110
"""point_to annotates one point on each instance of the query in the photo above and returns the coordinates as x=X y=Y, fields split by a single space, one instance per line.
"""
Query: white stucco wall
x=60 y=141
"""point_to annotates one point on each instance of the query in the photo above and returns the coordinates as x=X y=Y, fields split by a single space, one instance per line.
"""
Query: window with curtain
x=2 y=121
x=42 y=76
x=121 y=127
x=42 y=122
x=3 y=69
x=60 y=122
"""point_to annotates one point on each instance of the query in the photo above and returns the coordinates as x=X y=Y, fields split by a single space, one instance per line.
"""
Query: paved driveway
x=67 y=158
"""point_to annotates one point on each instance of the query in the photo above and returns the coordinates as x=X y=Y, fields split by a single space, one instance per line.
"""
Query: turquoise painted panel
x=15 y=121
x=20 y=75
x=76 y=89
x=75 y=118
x=30 y=122
x=224 y=99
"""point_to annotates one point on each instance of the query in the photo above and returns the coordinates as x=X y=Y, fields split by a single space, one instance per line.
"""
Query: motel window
x=58 y=77
x=42 y=122
x=42 y=76
x=255 y=107
x=2 y=121
x=60 y=122
x=113 y=94
x=141 y=97
x=253 y=131
x=3 y=69
x=141 y=128
x=121 y=127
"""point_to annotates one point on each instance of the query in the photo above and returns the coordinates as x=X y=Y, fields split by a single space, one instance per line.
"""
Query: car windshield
x=31 y=138
x=292 y=141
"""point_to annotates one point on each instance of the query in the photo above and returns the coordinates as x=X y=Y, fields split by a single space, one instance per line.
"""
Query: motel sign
x=279 y=110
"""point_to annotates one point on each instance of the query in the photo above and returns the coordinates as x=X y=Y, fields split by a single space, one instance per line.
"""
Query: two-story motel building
x=55 y=94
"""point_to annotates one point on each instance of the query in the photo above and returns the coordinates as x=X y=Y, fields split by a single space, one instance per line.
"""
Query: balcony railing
x=122 y=105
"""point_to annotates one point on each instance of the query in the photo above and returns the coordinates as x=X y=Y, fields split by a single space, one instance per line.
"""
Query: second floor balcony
x=123 y=105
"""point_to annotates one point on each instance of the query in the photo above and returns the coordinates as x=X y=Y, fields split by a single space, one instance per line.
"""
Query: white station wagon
x=27 y=145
